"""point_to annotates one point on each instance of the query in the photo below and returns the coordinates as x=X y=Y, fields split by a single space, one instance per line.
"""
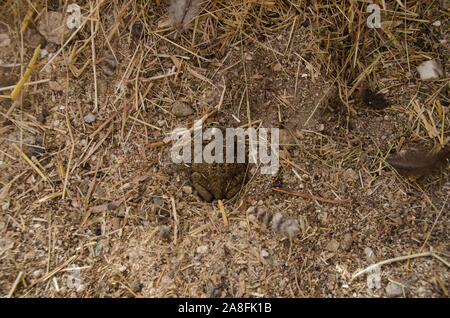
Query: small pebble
x=5 y=244
x=347 y=241
x=44 y=53
x=50 y=25
x=55 y=86
x=414 y=278
x=4 y=40
x=285 y=139
x=136 y=286
x=187 y=189
x=89 y=118
x=264 y=253
x=351 y=174
x=332 y=246
x=115 y=223
x=29 y=256
x=181 y=109
x=36 y=273
x=202 y=249
x=277 y=67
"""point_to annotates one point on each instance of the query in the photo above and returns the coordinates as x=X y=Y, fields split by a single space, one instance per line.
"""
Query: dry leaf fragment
x=418 y=162
x=182 y=12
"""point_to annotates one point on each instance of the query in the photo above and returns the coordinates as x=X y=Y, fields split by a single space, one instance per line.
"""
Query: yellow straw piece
x=49 y=197
x=224 y=214
x=31 y=163
x=199 y=229
x=27 y=19
x=27 y=74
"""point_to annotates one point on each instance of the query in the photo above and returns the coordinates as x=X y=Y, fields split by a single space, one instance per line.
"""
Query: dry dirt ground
x=92 y=206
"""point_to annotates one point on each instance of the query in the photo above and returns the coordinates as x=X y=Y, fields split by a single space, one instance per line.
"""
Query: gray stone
x=332 y=246
x=89 y=118
x=181 y=109
x=51 y=26
x=347 y=241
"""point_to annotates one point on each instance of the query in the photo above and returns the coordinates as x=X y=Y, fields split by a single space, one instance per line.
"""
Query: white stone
x=202 y=249
x=264 y=253
x=437 y=23
x=429 y=70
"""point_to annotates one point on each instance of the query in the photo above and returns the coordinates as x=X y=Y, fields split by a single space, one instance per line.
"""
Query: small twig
x=183 y=48
x=25 y=84
x=94 y=69
x=53 y=272
x=5 y=190
x=437 y=217
x=31 y=163
x=444 y=290
x=175 y=220
x=64 y=45
x=119 y=18
x=94 y=148
x=14 y=286
x=309 y=196
x=144 y=123
x=398 y=259
x=158 y=77
x=161 y=275
x=87 y=212
x=66 y=108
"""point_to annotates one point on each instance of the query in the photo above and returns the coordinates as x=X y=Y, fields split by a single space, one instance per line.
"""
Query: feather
x=418 y=162
x=182 y=12
x=280 y=223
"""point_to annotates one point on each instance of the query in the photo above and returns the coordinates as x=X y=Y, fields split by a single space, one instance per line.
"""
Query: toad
x=218 y=180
